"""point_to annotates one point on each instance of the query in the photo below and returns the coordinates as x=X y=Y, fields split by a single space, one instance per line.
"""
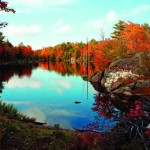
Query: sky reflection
x=23 y=82
x=50 y=97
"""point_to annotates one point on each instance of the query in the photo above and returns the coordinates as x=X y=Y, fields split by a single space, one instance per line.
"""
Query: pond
x=54 y=93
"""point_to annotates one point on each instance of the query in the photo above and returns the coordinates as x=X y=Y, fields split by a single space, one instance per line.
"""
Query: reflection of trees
x=134 y=123
x=67 y=68
x=6 y=72
x=1 y=86
x=103 y=106
x=132 y=116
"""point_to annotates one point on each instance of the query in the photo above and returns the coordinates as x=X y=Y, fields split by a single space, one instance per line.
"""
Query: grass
x=10 y=112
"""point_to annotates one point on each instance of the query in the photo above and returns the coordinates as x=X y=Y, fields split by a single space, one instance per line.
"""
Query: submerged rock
x=77 y=102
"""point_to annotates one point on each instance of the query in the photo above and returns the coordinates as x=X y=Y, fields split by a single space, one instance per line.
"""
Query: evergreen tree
x=8 y=43
x=119 y=27
x=1 y=38
x=146 y=27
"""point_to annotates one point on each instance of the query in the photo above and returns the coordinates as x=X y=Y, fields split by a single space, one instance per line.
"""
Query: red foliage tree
x=27 y=51
x=4 y=7
x=135 y=37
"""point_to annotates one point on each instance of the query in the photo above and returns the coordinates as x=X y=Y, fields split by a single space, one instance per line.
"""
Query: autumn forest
x=52 y=83
x=127 y=39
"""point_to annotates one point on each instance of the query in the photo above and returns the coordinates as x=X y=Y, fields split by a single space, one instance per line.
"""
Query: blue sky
x=42 y=23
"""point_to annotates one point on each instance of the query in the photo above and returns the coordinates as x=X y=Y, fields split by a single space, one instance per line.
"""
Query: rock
x=127 y=88
x=116 y=85
x=97 y=86
x=142 y=83
x=86 y=78
x=102 y=82
x=137 y=64
x=142 y=87
x=132 y=85
x=77 y=102
x=97 y=77
x=126 y=75
x=127 y=93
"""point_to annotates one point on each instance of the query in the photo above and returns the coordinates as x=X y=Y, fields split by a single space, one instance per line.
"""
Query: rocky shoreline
x=129 y=76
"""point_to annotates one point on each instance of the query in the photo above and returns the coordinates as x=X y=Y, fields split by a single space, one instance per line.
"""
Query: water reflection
x=131 y=115
x=67 y=68
x=49 y=95
x=6 y=72
x=1 y=87
x=23 y=82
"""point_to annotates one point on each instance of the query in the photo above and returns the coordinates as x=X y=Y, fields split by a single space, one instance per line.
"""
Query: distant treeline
x=127 y=38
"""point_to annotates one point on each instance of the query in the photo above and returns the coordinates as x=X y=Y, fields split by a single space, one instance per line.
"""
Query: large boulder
x=128 y=76
x=137 y=64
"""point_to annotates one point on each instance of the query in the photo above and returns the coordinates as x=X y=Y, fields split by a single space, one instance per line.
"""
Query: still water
x=44 y=92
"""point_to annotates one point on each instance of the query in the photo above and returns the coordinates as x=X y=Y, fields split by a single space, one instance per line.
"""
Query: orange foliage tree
x=45 y=53
x=135 y=37
x=102 y=52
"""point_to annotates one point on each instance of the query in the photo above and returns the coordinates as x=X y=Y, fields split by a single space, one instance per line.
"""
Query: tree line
x=127 y=38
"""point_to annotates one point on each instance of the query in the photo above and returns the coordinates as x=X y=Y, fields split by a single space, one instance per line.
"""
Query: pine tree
x=119 y=27
x=1 y=38
x=146 y=27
